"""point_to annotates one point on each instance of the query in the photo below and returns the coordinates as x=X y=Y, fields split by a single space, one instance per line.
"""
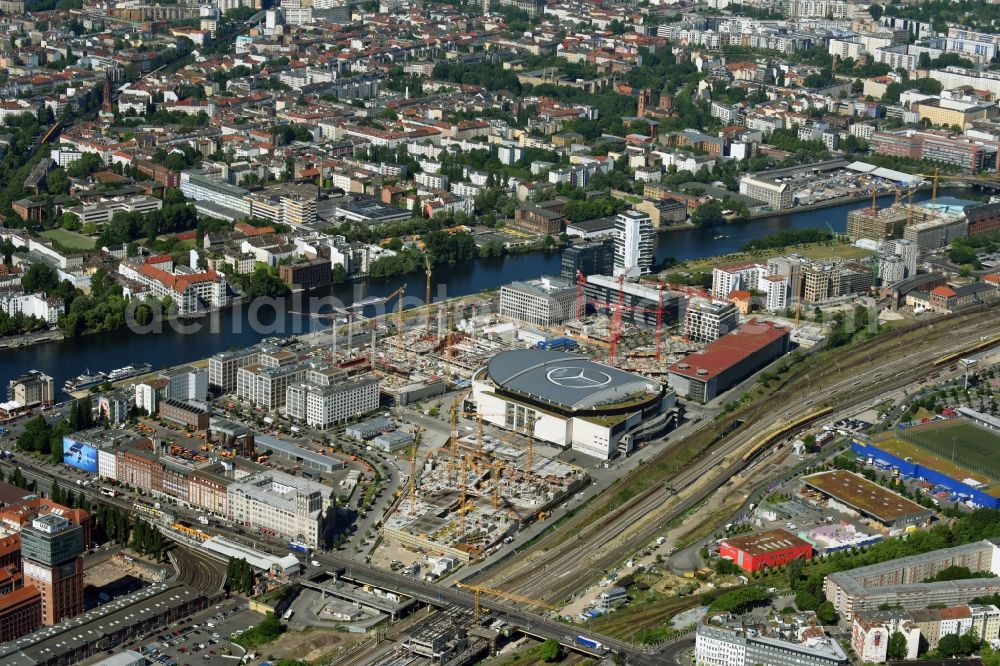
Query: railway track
x=556 y=567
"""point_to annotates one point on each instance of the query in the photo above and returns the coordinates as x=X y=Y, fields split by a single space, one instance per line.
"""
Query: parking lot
x=201 y=639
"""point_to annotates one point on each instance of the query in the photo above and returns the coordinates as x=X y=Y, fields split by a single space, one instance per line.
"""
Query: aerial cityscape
x=501 y=333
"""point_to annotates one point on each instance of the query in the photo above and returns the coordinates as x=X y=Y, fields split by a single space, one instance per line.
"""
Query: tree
x=57 y=182
x=897 y=646
x=794 y=570
x=826 y=613
x=806 y=601
x=550 y=651
x=708 y=214
x=969 y=641
x=949 y=645
x=876 y=11
x=339 y=274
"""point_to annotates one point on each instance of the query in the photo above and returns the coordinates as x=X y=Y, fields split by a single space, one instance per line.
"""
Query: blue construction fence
x=958 y=489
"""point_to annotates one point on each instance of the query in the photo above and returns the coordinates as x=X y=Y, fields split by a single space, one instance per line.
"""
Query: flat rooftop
x=869 y=498
x=762 y=543
x=729 y=350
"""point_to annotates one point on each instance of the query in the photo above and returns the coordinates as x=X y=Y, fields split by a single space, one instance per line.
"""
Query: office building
x=283 y=505
x=983 y=219
x=31 y=389
x=307 y=274
x=592 y=258
x=324 y=400
x=890 y=270
x=539 y=220
x=722 y=641
x=633 y=243
x=223 y=367
x=907 y=251
x=184 y=413
x=778 y=196
x=185 y=383
x=20 y=607
x=646 y=303
x=51 y=550
x=265 y=383
x=705 y=320
x=542 y=302
x=199 y=186
x=149 y=393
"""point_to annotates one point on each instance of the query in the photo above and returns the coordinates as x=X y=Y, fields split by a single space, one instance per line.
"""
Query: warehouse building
x=298 y=455
x=852 y=493
x=704 y=375
x=119 y=622
x=765 y=550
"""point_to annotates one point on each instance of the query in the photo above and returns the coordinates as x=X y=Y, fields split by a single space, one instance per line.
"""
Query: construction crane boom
x=427 y=297
x=478 y=590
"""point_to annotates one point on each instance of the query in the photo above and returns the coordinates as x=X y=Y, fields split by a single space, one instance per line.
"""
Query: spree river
x=232 y=327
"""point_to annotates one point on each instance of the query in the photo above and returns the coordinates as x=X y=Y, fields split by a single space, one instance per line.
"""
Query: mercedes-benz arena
x=574 y=402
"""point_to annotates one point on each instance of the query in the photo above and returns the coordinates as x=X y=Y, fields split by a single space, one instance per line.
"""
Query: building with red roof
x=729 y=360
x=191 y=292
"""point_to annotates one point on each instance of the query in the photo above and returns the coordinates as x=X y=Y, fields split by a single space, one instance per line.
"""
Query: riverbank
x=841 y=201
x=808 y=250
x=13 y=342
x=246 y=326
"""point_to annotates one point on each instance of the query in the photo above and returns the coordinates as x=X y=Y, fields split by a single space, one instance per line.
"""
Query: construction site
x=468 y=498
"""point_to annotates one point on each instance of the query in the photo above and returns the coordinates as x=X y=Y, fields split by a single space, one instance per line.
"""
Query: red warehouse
x=774 y=548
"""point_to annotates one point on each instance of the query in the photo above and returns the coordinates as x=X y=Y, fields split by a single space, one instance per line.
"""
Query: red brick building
x=20 y=612
x=765 y=550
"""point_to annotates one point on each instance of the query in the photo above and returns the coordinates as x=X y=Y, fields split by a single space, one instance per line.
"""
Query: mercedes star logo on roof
x=579 y=378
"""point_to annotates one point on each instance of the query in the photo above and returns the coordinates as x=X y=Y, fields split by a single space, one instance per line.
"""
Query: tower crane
x=427 y=298
x=478 y=589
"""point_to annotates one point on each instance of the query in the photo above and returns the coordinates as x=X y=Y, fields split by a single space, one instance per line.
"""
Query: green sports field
x=956 y=448
x=70 y=239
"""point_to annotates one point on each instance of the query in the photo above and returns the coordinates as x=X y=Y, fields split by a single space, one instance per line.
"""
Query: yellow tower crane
x=478 y=589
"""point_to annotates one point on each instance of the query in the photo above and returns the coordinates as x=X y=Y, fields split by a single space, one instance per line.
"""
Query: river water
x=231 y=328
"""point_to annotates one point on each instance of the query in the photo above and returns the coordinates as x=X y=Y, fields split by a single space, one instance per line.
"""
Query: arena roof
x=568 y=380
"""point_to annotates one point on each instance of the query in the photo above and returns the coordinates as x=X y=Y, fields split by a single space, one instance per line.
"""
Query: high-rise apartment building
x=633 y=243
